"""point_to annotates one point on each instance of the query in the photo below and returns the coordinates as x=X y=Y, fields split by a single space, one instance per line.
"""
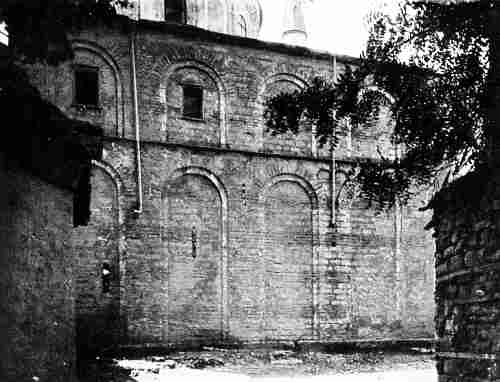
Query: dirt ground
x=220 y=365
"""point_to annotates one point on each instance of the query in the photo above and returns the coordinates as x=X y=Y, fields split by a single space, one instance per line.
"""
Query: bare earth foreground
x=265 y=365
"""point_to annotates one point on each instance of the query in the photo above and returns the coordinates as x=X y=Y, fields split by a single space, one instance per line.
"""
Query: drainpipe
x=133 y=35
x=333 y=215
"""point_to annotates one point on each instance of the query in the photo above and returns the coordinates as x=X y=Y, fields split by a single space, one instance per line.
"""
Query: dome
x=236 y=17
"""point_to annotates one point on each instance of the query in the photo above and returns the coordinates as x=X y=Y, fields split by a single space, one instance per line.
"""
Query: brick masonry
x=467 y=253
x=36 y=279
x=234 y=241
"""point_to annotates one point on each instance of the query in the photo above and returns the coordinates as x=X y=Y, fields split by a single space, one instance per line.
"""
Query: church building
x=206 y=228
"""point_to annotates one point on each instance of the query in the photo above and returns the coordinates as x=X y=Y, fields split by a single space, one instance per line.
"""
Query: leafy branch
x=38 y=30
x=433 y=60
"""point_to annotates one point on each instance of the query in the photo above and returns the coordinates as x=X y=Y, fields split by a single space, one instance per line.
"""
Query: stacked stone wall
x=466 y=225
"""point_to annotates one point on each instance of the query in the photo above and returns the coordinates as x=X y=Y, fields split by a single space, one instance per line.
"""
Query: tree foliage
x=433 y=59
x=38 y=29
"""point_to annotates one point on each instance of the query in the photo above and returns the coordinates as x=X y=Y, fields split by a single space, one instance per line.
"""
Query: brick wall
x=467 y=252
x=36 y=272
x=183 y=130
x=97 y=308
x=260 y=207
x=275 y=247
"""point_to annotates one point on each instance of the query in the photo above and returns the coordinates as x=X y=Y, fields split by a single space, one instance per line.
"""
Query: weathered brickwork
x=234 y=242
x=466 y=228
x=183 y=130
x=36 y=273
x=193 y=238
x=98 y=310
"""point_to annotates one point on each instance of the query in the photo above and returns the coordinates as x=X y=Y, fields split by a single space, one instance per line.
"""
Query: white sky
x=333 y=25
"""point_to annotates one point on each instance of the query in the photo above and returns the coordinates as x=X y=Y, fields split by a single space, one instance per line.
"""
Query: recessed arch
x=376 y=89
x=280 y=77
x=218 y=186
x=101 y=243
x=314 y=244
x=120 y=203
x=304 y=142
x=115 y=177
x=99 y=51
x=194 y=170
x=214 y=76
x=304 y=184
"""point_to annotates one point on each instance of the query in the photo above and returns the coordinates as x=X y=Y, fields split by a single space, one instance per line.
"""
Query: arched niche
x=211 y=128
x=374 y=137
x=301 y=143
x=290 y=248
x=110 y=113
x=195 y=237
x=98 y=249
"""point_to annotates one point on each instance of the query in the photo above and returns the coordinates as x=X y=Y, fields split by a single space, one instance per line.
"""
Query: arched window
x=242 y=26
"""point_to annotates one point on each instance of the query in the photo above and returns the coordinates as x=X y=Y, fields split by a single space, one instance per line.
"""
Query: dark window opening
x=174 y=11
x=106 y=278
x=192 y=101
x=86 y=86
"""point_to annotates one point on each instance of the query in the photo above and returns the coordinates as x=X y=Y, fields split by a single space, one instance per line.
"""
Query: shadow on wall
x=98 y=334
x=208 y=338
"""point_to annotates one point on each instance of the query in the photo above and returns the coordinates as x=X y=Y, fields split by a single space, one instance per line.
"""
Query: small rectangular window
x=86 y=86
x=192 y=106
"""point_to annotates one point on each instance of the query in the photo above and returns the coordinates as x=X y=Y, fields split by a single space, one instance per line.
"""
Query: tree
x=439 y=62
x=38 y=29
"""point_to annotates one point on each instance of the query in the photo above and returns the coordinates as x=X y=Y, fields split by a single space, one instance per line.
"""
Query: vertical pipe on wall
x=333 y=215
x=398 y=260
x=133 y=35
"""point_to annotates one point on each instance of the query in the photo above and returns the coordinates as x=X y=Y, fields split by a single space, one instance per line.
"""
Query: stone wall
x=234 y=242
x=267 y=225
x=466 y=224
x=36 y=279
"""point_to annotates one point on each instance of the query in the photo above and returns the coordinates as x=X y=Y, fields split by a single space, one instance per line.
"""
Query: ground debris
x=245 y=365
x=219 y=350
x=202 y=363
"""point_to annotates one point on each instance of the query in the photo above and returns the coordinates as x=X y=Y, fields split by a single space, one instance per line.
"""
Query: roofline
x=204 y=35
